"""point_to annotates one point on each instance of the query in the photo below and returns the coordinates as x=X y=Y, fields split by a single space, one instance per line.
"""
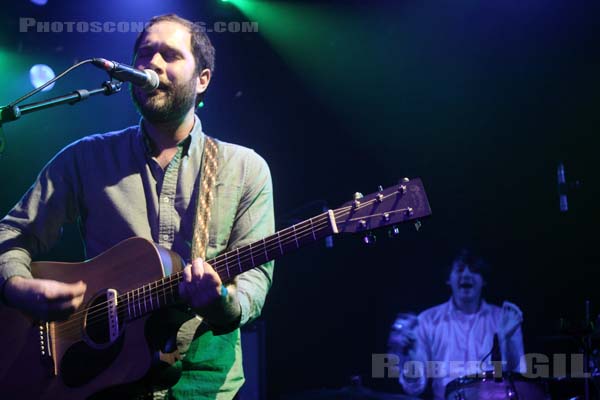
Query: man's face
x=466 y=285
x=166 y=49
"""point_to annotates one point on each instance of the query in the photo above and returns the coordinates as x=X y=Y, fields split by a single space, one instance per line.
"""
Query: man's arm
x=254 y=221
x=511 y=337
x=227 y=308
x=32 y=227
x=413 y=366
x=407 y=341
x=513 y=351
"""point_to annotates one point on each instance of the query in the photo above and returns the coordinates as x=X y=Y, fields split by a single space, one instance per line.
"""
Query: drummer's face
x=465 y=283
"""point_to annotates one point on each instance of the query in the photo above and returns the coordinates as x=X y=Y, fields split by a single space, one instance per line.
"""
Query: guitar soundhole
x=103 y=340
x=99 y=324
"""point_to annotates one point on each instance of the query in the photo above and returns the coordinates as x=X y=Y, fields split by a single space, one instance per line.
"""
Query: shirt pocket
x=223 y=213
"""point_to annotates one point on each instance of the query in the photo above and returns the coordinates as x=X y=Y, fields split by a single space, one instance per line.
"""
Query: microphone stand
x=8 y=114
x=586 y=353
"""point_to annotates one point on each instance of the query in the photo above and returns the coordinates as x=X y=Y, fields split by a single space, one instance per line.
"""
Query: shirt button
x=165 y=199
x=166 y=238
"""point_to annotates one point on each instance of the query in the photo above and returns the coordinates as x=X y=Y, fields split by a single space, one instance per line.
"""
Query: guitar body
x=69 y=359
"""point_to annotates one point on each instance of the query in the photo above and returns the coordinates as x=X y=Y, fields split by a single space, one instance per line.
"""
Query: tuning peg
x=369 y=238
x=402 y=189
x=418 y=225
x=394 y=232
x=357 y=197
x=379 y=198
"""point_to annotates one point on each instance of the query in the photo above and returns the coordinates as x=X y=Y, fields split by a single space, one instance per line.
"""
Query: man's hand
x=402 y=337
x=203 y=290
x=201 y=285
x=511 y=319
x=44 y=299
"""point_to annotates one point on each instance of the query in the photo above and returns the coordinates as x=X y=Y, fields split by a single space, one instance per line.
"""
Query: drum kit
x=483 y=386
x=515 y=386
x=581 y=383
x=508 y=385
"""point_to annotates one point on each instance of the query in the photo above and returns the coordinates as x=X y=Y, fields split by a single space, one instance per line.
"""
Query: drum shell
x=485 y=386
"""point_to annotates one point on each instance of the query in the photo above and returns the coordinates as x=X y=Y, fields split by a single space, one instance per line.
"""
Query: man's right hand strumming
x=43 y=299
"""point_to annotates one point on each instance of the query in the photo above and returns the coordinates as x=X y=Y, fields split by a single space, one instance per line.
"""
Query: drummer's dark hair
x=473 y=260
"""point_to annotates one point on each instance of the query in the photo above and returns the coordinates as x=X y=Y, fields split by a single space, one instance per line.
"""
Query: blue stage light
x=40 y=74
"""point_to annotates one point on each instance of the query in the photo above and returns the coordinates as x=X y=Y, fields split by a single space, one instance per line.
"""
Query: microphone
x=562 y=188
x=146 y=80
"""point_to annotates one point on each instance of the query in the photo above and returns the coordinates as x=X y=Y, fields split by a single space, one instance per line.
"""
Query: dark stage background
x=481 y=99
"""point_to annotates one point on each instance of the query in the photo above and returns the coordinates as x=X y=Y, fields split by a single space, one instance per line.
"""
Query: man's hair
x=202 y=48
x=473 y=260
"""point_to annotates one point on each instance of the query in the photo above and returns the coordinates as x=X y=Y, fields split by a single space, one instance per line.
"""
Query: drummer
x=452 y=339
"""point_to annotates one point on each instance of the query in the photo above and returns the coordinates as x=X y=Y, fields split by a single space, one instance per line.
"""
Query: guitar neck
x=396 y=204
x=164 y=292
x=232 y=263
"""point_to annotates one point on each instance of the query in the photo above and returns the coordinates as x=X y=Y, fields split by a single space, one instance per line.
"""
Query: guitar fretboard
x=164 y=292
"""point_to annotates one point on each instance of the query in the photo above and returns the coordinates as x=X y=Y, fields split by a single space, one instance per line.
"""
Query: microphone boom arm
x=12 y=113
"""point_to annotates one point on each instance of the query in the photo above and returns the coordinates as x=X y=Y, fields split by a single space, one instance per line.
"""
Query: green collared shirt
x=110 y=184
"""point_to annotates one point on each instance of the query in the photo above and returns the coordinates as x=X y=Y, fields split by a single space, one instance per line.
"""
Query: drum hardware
x=582 y=382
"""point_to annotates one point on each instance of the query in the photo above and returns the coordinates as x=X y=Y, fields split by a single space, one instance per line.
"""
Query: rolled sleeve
x=15 y=258
x=14 y=261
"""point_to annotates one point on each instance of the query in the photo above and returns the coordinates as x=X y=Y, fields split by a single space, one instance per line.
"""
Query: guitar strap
x=205 y=197
x=186 y=332
x=188 y=329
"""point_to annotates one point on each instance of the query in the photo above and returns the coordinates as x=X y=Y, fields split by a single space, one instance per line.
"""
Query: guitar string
x=170 y=282
x=269 y=246
x=244 y=256
x=97 y=312
x=166 y=287
x=324 y=215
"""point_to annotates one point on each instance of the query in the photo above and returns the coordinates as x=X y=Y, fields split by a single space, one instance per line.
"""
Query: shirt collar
x=483 y=309
x=195 y=137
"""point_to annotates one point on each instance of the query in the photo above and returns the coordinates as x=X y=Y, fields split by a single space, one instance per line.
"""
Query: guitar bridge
x=46 y=348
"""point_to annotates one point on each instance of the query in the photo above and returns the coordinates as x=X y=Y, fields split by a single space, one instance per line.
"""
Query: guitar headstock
x=403 y=202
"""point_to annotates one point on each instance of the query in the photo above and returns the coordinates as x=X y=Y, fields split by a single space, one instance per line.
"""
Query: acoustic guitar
x=118 y=339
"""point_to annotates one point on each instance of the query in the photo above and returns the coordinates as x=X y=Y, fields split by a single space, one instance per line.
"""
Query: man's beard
x=170 y=106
